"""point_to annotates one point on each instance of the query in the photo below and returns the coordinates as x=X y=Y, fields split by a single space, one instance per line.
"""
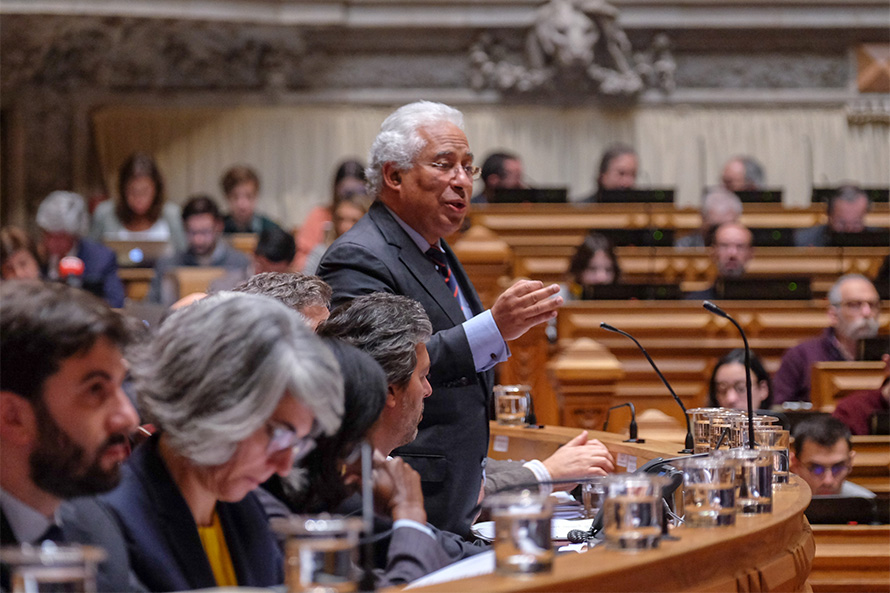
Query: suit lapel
x=420 y=268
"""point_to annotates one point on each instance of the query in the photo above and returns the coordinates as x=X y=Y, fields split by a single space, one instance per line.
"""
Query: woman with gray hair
x=63 y=220
x=238 y=388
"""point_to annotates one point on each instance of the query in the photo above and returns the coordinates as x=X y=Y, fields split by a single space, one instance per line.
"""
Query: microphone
x=633 y=422
x=720 y=312
x=690 y=442
x=71 y=271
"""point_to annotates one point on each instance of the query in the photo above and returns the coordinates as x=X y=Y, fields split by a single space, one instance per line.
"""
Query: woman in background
x=141 y=212
x=348 y=179
x=727 y=388
x=349 y=209
x=18 y=255
x=594 y=262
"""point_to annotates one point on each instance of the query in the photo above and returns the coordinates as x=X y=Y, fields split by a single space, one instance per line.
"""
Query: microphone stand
x=633 y=422
x=720 y=312
x=690 y=442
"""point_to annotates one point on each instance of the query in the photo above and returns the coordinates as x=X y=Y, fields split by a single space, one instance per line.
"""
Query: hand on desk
x=579 y=457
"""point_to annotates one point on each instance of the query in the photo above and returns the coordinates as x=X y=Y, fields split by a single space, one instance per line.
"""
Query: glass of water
x=320 y=553
x=709 y=491
x=511 y=404
x=633 y=510
x=753 y=480
x=522 y=542
x=776 y=440
x=51 y=568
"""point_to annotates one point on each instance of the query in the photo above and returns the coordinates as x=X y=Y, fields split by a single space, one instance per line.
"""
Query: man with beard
x=853 y=309
x=64 y=421
x=203 y=229
x=729 y=246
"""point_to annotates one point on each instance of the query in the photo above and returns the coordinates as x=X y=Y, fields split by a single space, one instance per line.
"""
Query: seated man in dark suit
x=847 y=208
x=63 y=220
x=729 y=246
x=64 y=421
x=203 y=228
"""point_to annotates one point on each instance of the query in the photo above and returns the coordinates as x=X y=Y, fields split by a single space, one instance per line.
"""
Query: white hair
x=399 y=140
x=720 y=199
x=63 y=211
x=834 y=293
x=216 y=370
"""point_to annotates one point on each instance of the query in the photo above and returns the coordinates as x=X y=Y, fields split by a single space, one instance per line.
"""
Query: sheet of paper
x=468 y=567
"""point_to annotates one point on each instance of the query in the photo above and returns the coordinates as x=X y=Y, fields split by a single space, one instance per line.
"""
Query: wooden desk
x=137 y=282
x=851 y=558
x=871 y=465
x=767 y=553
x=831 y=381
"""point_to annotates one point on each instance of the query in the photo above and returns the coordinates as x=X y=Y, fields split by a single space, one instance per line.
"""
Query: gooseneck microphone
x=718 y=311
x=633 y=422
x=689 y=440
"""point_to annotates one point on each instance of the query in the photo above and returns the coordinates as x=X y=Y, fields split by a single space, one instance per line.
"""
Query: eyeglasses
x=837 y=469
x=857 y=305
x=472 y=171
x=283 y=436
x=723 y=388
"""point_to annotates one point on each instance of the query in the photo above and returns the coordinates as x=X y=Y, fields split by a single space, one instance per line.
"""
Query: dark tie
x=438 y=258
x=53 y=534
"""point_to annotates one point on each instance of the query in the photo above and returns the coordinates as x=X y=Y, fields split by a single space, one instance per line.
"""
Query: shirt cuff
x=541 y=475
x=486 y=343
x=414 y=525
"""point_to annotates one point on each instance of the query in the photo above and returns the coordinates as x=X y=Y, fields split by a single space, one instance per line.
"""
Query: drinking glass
x=52 y=568
x=511 y=404
x=753 y=480
x=320 y=553
x=700 y=419
x=776 y=440
x=593 y=493
x=632 y=511
x=522 y=522
x=709 y=491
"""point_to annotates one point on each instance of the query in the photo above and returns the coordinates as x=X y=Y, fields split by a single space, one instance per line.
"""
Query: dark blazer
x=100 y=272
x=377 y=255
x=162 y=538
x=86 y=521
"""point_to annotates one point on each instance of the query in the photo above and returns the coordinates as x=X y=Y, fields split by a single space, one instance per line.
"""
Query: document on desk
x=473 y=566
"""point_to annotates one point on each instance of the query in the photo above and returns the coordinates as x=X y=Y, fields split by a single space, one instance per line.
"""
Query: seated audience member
x=238 y=387
x=64 y=421
x=856 y=409
x=308 y=295
x=822 y=455
x=394 y=330
x=18 y=255
x=241 y=187
x=617 y=170
x=349 y=209
x=141 y=212
x=719 y=206
x=348 y=178
x=500 y=170
x=594 y=262
x=853 y=309
x=847 y=208
x=730 y=249
x=203 y=224
x=728 y=388
x=275 y=251
x=62 y=218
x=743 y=173
x=405 y=546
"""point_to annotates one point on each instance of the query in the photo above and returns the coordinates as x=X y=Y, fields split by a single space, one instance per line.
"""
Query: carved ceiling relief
x=574 y=46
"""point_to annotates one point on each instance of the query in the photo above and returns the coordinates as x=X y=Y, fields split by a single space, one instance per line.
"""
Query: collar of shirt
x=27 y=523
x=421 y=243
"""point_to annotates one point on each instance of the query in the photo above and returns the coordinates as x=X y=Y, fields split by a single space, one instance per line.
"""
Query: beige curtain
x=296 y=149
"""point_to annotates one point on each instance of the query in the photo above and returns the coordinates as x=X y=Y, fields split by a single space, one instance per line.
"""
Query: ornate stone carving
x=574 y=45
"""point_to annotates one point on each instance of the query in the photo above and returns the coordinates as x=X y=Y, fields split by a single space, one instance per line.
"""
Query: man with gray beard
x=853 y=309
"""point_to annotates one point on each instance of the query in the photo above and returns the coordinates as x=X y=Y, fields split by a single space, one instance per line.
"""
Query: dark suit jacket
x=377 y=255
x=86 y=521
x=162 y=539
x=100 y=272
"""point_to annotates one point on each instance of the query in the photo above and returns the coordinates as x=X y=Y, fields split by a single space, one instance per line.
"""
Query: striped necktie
x=438 y=258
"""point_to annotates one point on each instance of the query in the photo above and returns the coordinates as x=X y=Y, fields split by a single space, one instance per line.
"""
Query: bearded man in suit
x=421 y=175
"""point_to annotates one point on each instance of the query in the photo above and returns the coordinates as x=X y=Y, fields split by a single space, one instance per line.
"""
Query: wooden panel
x=851 y=558
x=137 y=282
x=833 y=380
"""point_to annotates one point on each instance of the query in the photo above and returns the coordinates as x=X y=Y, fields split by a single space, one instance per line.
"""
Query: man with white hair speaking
x=421 y=175
x=853 y=310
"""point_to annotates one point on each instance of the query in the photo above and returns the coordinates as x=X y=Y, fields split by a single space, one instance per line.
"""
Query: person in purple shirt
x=856 y=409
x=853 y=309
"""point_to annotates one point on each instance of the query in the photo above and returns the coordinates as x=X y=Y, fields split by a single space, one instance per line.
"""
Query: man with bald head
x=421 y=175
x=743 y=173
x=729 y=247
x=853 y=310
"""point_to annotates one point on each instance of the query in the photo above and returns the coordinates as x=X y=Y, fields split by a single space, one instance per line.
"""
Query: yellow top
x=214 y=542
